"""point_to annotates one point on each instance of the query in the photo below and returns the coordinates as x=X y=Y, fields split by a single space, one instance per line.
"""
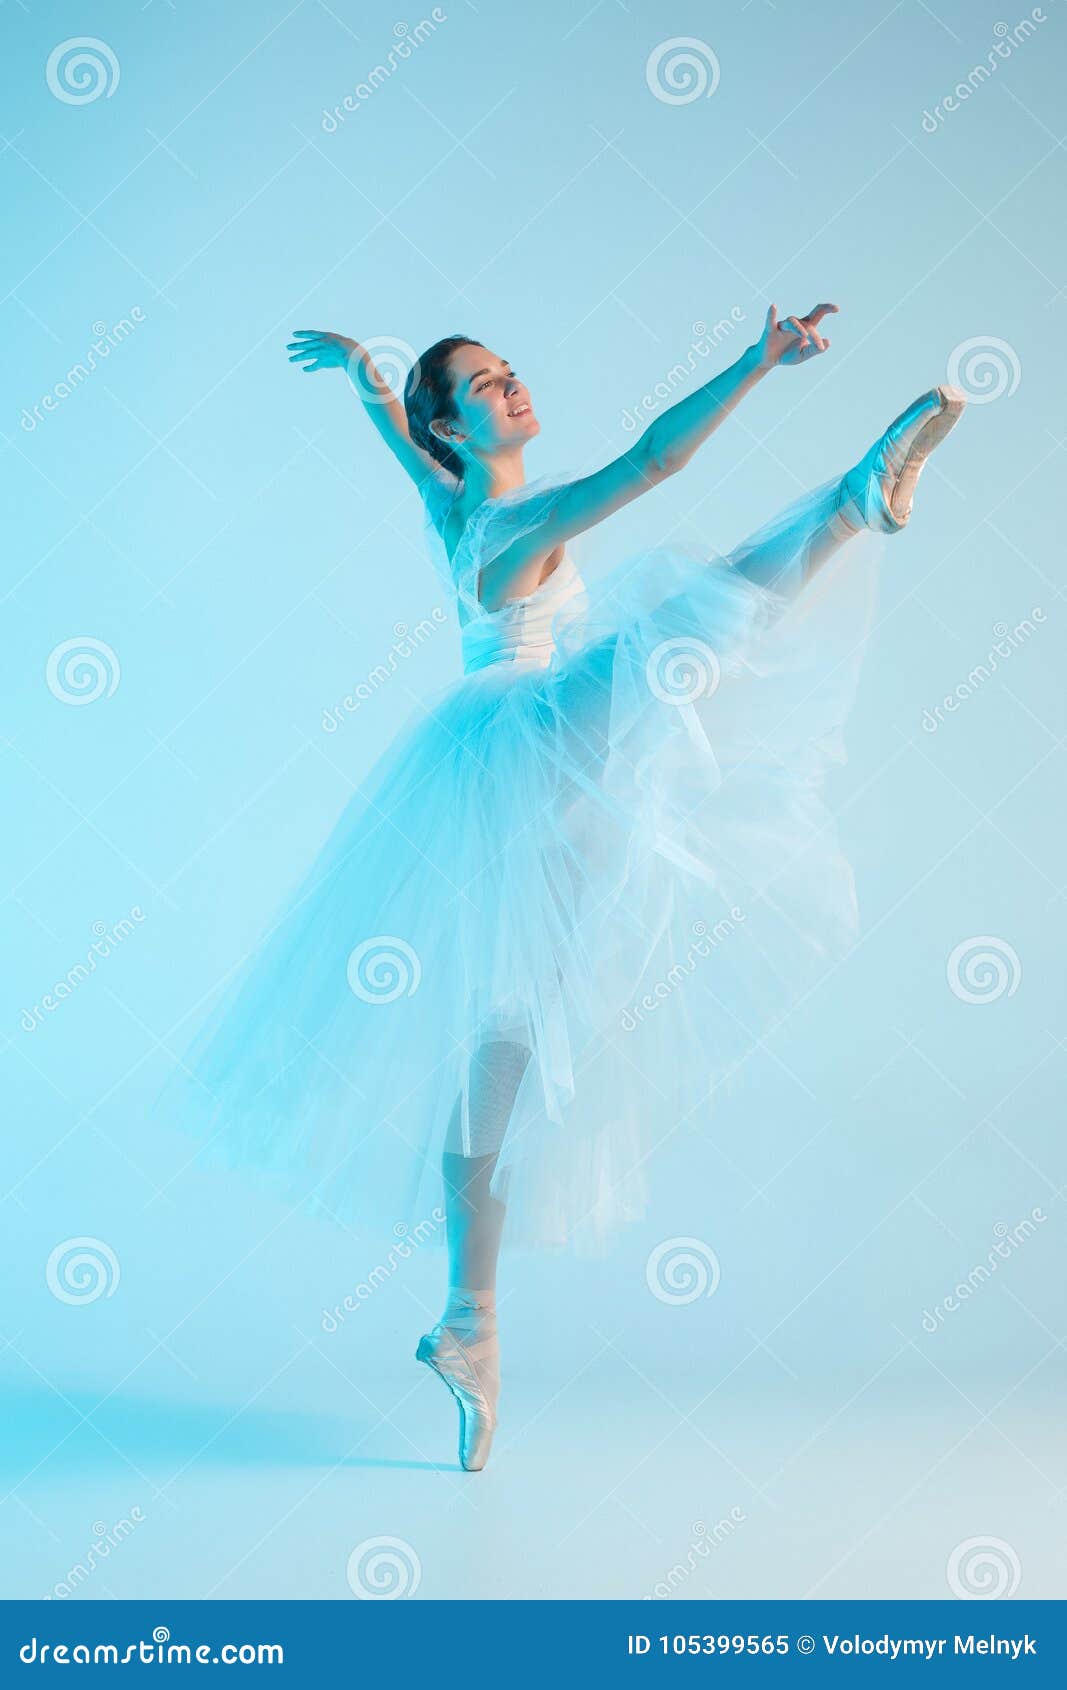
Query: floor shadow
x=79 y=1430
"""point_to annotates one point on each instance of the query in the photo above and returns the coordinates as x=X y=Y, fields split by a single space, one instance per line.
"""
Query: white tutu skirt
x=622 y=862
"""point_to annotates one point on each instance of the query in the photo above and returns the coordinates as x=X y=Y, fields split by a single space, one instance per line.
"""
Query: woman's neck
x=488 y=479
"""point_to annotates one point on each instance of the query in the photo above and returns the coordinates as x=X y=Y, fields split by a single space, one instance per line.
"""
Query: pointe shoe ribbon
x=878 y=492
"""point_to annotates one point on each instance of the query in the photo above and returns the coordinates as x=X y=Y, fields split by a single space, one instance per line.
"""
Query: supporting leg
x=463 y=1346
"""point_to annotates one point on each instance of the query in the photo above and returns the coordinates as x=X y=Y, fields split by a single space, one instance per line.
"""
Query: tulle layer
x=622 y=862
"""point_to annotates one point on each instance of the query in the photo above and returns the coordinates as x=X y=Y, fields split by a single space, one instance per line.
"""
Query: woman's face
x=493 y=408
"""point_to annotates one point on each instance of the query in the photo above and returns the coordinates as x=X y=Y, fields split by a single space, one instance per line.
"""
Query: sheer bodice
x=524 y=629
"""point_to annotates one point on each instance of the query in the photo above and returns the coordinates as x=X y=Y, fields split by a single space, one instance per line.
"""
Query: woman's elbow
x=659 y=460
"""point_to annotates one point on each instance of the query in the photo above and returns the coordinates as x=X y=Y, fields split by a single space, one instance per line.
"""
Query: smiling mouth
x=519 y=411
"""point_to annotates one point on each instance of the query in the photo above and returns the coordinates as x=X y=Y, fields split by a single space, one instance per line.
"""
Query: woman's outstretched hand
x=793 y=340
x=320 y=349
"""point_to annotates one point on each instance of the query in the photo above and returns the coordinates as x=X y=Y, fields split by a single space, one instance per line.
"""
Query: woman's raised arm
x=321 y=349
x=663 y=449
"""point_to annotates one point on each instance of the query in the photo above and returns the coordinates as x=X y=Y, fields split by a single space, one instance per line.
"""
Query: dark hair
x=429 y=394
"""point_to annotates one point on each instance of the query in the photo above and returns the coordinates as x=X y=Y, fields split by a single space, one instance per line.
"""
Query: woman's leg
x=463 y=1347
x=786 y=552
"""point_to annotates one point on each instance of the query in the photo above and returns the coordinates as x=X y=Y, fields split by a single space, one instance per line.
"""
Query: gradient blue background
x=233 y=531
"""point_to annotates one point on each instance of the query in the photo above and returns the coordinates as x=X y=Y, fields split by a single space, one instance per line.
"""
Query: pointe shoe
x=455 y=1363
x=878 y=492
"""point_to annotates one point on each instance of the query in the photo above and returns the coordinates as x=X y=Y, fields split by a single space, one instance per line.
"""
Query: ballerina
x=624 y=768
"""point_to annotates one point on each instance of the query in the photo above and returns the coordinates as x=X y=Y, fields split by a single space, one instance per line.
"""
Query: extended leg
x=876 y=494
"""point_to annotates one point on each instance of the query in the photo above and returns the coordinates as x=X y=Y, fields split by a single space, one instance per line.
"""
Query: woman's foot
x=462 y=1349
x=878 y=492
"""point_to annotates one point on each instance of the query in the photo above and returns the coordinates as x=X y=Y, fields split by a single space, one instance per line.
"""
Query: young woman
x=571 y=894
